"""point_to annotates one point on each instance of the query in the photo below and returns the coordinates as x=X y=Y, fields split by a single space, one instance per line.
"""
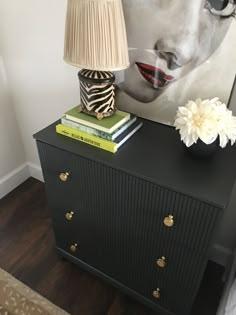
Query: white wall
x=43 y=87
x=12 y=155
x=11 y=146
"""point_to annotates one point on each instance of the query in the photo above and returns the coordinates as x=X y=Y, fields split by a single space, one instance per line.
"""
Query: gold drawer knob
x=64 y=176
x=156 y=293
x=73 y=248
x=69 y=215
x=161 y=262
x=169 y=221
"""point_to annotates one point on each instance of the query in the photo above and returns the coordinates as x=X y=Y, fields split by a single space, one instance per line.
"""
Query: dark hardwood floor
x=27 y=251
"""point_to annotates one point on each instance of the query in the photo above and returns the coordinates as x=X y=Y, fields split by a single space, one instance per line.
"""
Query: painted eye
x=218 y=4
x=223 y=8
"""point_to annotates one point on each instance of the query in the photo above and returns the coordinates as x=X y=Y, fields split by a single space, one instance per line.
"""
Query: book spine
x=95 y=125
x=86 y=138
x=90 y=130
x=120 y=123
x=123 y=128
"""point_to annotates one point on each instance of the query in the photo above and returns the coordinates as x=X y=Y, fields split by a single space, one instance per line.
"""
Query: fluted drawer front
x=133 y=204
x=178 y=279
x=64 y=226
x=119 y=227
x=134 y=265
x=71 y=193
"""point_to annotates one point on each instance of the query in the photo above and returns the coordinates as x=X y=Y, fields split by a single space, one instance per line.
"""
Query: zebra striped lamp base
x=97 y=92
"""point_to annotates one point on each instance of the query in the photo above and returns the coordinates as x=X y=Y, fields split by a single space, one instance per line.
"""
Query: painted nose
x=178 y=51
x=181 y=43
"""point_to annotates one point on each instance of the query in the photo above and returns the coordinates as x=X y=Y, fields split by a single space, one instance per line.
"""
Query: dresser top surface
x=156 y=153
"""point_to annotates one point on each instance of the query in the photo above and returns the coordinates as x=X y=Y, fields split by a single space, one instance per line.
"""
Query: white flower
x=226 y=128
x=205 y=120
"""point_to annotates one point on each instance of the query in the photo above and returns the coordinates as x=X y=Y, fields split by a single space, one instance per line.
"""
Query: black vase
x=201 y=149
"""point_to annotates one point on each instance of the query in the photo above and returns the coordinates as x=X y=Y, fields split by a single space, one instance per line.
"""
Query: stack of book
x=108 y=134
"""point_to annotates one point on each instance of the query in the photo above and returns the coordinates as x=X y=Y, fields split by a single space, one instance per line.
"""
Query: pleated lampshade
x=95 y=35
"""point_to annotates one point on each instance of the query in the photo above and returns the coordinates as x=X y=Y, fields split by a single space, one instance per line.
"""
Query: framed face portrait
x=179 y=50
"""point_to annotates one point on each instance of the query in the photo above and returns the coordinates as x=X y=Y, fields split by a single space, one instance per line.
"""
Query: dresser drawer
x=177 y=279
x=65 y=224
x=71 y=192
x=134 y=264
x=131 y=203
x=114 y=247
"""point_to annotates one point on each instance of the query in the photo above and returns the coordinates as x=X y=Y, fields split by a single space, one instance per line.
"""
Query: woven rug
x=18 y=299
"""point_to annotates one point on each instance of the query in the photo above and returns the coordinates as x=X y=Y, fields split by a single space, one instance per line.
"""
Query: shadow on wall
x=12 y=152
x=3 y=77
x=232 y=100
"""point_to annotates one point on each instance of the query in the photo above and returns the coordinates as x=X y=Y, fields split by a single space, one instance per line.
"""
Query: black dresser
x=144 y=218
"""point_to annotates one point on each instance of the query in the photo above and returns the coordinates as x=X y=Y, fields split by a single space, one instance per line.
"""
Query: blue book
x=128 y=133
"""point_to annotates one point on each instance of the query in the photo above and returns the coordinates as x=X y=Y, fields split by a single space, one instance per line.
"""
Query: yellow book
x=87 y=138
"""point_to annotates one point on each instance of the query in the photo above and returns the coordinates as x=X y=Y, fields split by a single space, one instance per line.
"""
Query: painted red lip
x=155 y=76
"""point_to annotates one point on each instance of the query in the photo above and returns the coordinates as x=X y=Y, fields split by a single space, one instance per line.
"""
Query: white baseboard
x=18 y=176
x=13 y=179
x=35 y=171
x=221 y=255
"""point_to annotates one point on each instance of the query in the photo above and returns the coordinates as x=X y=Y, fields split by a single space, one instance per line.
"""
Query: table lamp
x=95 y=40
